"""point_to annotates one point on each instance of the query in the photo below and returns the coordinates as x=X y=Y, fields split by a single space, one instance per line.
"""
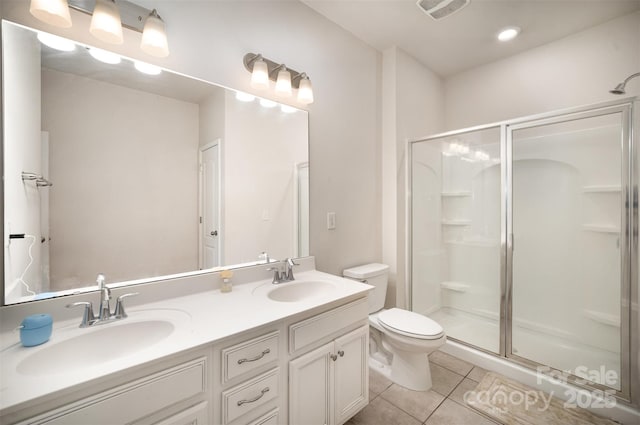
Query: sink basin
x=90 y=347
x=298 y=291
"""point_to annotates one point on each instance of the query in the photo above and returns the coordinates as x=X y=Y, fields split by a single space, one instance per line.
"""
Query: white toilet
x=400 y=340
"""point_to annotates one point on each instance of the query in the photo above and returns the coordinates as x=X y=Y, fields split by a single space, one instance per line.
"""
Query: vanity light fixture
x=106 y=24
x=107 y=20
x=259 y=74
x=283 y=82
x=154 y=37
x=262 y=70
x=52 y=12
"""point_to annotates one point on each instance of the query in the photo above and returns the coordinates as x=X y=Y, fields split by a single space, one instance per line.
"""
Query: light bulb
x=508 y=33
x=260 y=75
x=53 y=12
x=283 y=83
x=154 y=37
x=305 y=91
x=105 y=22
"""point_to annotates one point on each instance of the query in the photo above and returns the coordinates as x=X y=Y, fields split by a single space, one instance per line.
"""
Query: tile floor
x=443 y=404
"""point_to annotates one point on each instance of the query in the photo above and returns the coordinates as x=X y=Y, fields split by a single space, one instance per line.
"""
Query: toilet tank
x=374 y=274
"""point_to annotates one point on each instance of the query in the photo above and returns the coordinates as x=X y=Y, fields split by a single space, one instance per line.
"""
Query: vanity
x=261 y=354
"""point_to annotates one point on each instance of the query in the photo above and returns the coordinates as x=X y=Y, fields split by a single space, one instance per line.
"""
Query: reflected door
x=568 y=179
x=210 y=250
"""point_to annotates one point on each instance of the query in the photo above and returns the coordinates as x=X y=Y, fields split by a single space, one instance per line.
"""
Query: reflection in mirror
x=151 y=175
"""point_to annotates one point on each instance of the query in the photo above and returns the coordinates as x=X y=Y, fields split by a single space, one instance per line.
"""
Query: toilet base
x=412 y=371
x=405 y=374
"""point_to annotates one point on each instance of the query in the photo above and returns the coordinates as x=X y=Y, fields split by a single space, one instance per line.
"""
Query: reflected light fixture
x=262 y=70
x=52 y=12
x=105 y=56
x=147 y=68
x=245 y=97
x=107 y=20
x=154 y=38
x=620 y=87
x=106 y=24
x=267 y=103
x=56 y=42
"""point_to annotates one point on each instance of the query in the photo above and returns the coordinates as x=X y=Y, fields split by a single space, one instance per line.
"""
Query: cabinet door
x=310 y=387
x=195 y=415
x=351 y=374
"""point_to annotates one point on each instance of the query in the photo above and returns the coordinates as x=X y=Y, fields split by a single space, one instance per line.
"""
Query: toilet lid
x=410 y=324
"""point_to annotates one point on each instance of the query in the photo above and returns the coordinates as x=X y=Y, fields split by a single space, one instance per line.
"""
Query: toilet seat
x=410 y=324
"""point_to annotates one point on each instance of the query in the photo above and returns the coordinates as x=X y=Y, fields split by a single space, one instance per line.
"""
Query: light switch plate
x=331 y=221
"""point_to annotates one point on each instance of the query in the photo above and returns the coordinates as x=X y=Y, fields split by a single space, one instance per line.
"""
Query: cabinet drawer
x=134 y=400
x=315 y=328
x=270 y=418
x=195 y=415
x=245 y=397
x=249 y=355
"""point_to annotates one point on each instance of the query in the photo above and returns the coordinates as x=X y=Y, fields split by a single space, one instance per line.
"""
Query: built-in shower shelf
x=604 y=318
x=454 y=286
x=455 y=194
x=601 y=228
x=456 y=222
x=601 y=189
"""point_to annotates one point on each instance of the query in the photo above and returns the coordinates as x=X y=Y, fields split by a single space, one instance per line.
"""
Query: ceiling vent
x=438 y=9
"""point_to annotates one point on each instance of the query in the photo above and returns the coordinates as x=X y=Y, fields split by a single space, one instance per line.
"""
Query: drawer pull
x=256 y=398
x=256 y=358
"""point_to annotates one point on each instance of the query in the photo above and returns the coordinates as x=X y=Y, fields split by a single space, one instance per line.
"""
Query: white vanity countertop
x=200 y=318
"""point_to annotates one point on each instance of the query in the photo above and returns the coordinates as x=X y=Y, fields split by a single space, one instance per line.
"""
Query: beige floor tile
x=419 y=404
x=452 y=413
x=477 y=373
x=444 y=380
x=454 y=364
x=458 y=394
x=377 y=382
x=381 y=412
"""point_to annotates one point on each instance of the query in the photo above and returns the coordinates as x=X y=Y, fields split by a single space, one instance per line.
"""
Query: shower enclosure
x=523 y=241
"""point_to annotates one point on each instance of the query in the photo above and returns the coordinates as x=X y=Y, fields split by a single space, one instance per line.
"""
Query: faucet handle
x=119 y=312
x=264 y=256
x=87 y=316
x=101 y=280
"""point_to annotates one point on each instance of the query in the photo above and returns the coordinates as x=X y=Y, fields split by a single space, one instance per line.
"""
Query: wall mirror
x=111 y=169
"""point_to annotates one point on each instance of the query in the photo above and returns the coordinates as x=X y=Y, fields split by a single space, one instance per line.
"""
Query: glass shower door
x=456 y=231
x=568 y=180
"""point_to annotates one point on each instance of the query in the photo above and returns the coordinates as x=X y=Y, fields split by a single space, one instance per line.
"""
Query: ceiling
x=467 y=38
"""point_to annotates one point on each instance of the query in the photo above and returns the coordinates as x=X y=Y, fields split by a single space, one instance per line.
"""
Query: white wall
x=577 y=70
x=412 y=107
x=208 y=39
x=107 y=168
x=22 y=125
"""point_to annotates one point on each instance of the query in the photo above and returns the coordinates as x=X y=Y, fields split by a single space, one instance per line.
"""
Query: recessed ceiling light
x=104 y=56
x=147 y=68
x=508 y=33
x=56 y=42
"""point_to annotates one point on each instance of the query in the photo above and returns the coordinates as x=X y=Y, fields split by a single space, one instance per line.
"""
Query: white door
x=351 y=374
x=210 y=228
x=310 y=398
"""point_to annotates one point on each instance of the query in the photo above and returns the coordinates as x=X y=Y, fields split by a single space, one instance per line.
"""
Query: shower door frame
x=629 y=341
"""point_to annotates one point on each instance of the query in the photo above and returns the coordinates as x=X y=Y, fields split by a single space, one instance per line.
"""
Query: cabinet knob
x=341 y=353
x=333 y=357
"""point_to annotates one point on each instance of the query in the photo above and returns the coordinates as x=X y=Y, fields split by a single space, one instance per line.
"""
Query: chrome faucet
x=289 y=263
x=104 y=315
x=105 y=296
x=283 y=271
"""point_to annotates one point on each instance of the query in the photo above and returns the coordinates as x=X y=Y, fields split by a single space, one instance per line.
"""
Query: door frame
x=216 y=142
